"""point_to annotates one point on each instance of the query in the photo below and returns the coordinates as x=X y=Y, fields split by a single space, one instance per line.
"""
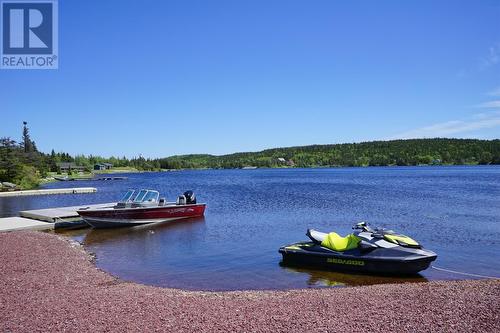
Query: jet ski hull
x=401 y=261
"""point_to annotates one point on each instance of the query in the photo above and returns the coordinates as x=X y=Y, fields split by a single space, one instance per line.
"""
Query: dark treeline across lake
x=454 y=211
x=24 y=165
x=411 y=152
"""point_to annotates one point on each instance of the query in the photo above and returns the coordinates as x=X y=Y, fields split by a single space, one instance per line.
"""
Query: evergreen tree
x=9 y=160
x=28 y=145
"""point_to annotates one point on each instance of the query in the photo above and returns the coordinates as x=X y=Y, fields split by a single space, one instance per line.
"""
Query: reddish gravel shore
x=48 y=285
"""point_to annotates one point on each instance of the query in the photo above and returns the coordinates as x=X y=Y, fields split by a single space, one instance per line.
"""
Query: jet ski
x=366 y=250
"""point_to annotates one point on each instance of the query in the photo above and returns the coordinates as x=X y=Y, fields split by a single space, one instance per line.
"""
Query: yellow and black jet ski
x=367 y=250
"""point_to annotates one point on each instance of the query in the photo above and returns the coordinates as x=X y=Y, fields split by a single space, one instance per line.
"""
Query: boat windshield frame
x=151 y=196
x=147 y=196
x=128 y=196
x=140 y=195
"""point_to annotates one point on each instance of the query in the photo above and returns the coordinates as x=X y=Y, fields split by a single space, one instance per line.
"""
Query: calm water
x=454 y=211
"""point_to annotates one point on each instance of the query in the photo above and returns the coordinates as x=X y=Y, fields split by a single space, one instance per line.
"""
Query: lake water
x=454 y=211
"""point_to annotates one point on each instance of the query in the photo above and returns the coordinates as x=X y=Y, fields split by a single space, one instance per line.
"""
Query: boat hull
x=123 y=217
x=355 y=261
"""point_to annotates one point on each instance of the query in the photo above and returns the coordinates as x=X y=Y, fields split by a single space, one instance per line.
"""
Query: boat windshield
x=151 y=196
x=128 y=196
x=140 y=196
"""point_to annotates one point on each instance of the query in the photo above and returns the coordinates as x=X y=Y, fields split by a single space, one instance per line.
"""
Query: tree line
x=439 y=151
x=21 y=162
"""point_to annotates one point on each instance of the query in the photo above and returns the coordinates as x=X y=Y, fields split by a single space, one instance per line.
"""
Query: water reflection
x=141 y=232
x=319 y=278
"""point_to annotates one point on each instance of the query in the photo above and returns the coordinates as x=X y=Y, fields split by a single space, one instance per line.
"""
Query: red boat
x=145 y=207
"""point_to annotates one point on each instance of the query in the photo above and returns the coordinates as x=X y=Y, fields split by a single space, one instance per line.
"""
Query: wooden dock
x=20 y=223
x=111 y=178
x=59 y=214
x=75 y=190
x=50 y=218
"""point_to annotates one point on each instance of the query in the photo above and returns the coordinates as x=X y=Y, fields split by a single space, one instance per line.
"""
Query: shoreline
x=314 y=168
x=111 y=172
x=49 y=283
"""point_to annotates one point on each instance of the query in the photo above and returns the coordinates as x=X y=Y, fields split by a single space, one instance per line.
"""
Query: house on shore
x=282 y=160
x=102 y=166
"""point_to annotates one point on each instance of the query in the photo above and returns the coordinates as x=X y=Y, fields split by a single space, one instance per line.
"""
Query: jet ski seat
x=316 y=236
x=333 y=241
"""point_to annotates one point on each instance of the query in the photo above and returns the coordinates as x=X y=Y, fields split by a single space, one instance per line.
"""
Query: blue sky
x=173 y=77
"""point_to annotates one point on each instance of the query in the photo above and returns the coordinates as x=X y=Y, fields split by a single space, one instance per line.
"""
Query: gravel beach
x=50 y=284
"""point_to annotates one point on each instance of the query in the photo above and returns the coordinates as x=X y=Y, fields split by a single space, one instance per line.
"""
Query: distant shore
x=28 y=168
x=314 y=167
x=51 y=179
x=48 y=283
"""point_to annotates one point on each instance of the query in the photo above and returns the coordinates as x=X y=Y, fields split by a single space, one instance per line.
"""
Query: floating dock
x=75 y=190
x=88 y=179
x=59 y=214
x=50 y=218
x=20 y=223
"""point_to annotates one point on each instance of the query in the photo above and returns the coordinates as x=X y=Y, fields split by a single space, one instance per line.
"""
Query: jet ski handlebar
x=377 y=232
x=362 y=226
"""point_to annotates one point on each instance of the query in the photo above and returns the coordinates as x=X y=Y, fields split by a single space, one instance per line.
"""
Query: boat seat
x=316 y=236
x=336 y=242
x=181 y=200
x=333 y=241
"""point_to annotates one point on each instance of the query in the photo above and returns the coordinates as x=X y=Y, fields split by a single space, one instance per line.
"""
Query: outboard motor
x=190 y=197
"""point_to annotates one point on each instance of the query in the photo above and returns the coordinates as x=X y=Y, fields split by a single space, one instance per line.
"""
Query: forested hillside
x=21 y=163
x=376 y=153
